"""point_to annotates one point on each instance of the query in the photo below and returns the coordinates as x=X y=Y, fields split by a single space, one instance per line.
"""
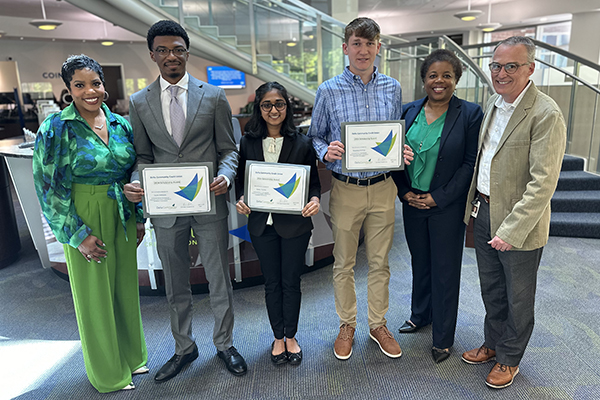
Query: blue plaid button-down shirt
x=345 y=98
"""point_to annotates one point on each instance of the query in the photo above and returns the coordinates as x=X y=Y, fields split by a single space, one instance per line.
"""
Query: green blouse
x=67 y=151
x=424 y=140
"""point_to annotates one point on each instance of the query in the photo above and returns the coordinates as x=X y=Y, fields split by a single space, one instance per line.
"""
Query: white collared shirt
x=165 y=98
x=502 y=113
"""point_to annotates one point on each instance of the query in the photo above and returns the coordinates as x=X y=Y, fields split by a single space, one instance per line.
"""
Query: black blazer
x=458 y=151
x=296 y=149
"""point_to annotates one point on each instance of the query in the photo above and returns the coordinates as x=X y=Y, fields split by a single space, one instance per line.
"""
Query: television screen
x=226 y=78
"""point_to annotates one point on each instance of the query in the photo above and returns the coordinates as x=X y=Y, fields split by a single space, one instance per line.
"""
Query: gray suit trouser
x=508 y=282
x=173 y=250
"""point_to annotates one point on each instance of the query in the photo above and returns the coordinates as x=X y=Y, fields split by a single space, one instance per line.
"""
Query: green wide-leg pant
x=106 y=294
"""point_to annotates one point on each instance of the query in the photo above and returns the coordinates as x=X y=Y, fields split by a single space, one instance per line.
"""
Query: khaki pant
x=373 y=208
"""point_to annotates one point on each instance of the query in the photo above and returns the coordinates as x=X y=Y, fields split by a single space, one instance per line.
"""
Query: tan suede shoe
x=384 y=338
x=342 y=348
x=501 y=376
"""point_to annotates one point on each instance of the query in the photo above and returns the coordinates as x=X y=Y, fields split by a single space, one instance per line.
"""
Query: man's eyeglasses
x=510 y=67
x=163 y=51
x=279 y=106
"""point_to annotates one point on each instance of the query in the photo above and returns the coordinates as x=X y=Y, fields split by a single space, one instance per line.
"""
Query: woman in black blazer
x=442 y=130
x=280 y=240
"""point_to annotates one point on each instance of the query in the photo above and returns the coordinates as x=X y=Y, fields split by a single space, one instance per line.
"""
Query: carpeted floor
x=40 y=355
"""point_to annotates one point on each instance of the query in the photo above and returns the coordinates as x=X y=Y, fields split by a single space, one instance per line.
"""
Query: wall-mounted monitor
x=226 y=78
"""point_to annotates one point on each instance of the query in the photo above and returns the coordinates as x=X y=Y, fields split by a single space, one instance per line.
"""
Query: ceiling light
x=45 y=24
x=2 y=33
x=489 y=26
x=107 y=43
x=291 y=44
x=468 y=15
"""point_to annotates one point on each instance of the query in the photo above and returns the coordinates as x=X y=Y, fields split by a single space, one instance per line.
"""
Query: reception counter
x=244 y=265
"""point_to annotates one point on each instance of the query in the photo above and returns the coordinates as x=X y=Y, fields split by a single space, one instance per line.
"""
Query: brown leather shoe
x=501 y=376
x=479 y=356
x=342 y=348
x=386 y=341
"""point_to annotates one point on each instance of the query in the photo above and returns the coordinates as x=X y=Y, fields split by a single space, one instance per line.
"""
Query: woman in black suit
x=442 y=130
x=280 y=240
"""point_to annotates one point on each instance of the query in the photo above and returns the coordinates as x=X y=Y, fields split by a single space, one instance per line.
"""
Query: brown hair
x=362 y=27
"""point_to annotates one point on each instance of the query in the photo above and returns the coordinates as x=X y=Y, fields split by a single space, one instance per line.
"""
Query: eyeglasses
x=279 y=106
x=510 y=67
x=177 y=52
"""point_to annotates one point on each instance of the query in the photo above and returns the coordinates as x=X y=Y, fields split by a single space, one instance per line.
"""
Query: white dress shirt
x=165 y=98
x=502 y=113
x=271 y=150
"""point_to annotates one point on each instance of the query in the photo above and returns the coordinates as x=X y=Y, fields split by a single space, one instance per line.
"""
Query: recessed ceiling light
x=107 y=43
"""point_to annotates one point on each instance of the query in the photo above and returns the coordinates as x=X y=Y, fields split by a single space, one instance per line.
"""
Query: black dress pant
x=281 y=262
x=435 y=238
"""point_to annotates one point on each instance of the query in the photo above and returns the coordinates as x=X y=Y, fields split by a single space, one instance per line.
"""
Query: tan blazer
x=524 y=171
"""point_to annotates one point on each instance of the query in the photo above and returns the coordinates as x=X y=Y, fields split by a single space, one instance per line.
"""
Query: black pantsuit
x=435 y=237
x=281 y=247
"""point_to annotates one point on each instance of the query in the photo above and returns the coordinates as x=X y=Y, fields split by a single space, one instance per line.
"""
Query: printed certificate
x=177 y=189
x=276 y=187
x=373 y=146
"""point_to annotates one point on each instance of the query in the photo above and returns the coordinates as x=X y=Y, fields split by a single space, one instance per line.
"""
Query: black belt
x=361 y=181
x=484 y=197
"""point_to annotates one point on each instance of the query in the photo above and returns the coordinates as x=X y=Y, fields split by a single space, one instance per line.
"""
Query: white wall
x=40 y=61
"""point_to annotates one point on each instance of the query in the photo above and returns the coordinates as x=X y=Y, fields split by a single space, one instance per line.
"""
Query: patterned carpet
x=41 y=356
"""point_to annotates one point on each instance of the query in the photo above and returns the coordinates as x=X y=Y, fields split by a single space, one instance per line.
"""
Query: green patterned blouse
x=67 y=151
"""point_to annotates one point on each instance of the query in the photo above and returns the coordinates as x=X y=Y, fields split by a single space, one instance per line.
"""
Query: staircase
x=576 y=202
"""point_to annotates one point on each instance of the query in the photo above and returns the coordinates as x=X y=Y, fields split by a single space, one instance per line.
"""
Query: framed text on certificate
x=177 y=189
x=276 y=187
x=373 y=146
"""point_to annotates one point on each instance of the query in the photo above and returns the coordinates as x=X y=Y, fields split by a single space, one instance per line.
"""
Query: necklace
x=99 y=127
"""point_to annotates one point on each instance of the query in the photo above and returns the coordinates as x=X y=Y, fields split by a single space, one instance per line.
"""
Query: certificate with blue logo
x=373 y=146
x=177 y=189
x=276 y=187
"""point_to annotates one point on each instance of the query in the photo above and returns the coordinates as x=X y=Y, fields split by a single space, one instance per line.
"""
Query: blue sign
x=226 y=78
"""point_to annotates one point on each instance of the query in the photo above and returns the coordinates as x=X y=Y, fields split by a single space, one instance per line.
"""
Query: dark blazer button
x=180 y=155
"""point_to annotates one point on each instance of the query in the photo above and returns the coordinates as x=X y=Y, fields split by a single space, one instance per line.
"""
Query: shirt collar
x=500 y=103
x=70 y=113
x=350 y=76
x=183 y=82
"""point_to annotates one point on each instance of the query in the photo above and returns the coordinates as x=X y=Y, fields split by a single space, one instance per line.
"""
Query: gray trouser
x=508 y=282
x=173 y=250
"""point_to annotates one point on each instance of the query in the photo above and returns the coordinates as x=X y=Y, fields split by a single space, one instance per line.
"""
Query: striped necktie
x=177 y=116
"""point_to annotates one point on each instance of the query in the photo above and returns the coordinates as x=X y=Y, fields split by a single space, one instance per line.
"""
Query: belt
x=484 y=197
x=361 y=181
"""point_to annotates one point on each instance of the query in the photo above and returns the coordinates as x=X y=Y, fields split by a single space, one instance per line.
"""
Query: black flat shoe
x=295 y=358
x=233 y=361
x=439 y=355
x=408 y=327
x=278 y=359
x=175 y=365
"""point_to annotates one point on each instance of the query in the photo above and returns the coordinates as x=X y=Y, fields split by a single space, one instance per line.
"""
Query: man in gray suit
x=179 y=119
x=521 y=147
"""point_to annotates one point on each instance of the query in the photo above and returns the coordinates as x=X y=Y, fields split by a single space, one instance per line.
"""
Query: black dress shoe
x=175 y=365
x=439 y=355
x=408 y=327
x=294 y=358
x=233 y=361
x=280 y=358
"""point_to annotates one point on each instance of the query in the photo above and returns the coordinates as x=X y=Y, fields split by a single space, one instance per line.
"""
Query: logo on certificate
x=384 y=147
x=190 y=191
x=288 y=189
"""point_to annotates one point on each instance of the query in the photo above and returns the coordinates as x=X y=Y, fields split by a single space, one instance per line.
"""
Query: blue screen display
x=226 y=78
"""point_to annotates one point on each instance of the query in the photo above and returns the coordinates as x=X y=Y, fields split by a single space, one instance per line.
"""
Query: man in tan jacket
x=521 y=147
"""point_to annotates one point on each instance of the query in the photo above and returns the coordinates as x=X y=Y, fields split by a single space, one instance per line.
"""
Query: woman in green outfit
x=82 y=156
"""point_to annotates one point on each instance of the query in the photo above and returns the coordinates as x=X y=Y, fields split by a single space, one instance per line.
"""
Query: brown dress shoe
x=342 y=348
x=501 y=376
x=479 y=356
x=386 y=341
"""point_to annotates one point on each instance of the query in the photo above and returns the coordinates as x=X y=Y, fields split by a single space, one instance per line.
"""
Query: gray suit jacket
x=524 y=171
x=208 y=136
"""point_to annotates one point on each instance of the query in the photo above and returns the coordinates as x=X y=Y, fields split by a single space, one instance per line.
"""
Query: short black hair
x=75 y=63
x=442 y=55
x=166 y=28
x=362 y=27
x=257 y=126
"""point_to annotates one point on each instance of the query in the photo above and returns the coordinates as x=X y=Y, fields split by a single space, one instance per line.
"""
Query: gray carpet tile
x=578 y=180
x=41 y=356
x=586 y=201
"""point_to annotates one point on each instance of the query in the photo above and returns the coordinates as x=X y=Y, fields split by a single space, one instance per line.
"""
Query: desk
x=244 y=266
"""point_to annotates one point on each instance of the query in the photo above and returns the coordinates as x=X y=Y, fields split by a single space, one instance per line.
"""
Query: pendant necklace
x=99 y=127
